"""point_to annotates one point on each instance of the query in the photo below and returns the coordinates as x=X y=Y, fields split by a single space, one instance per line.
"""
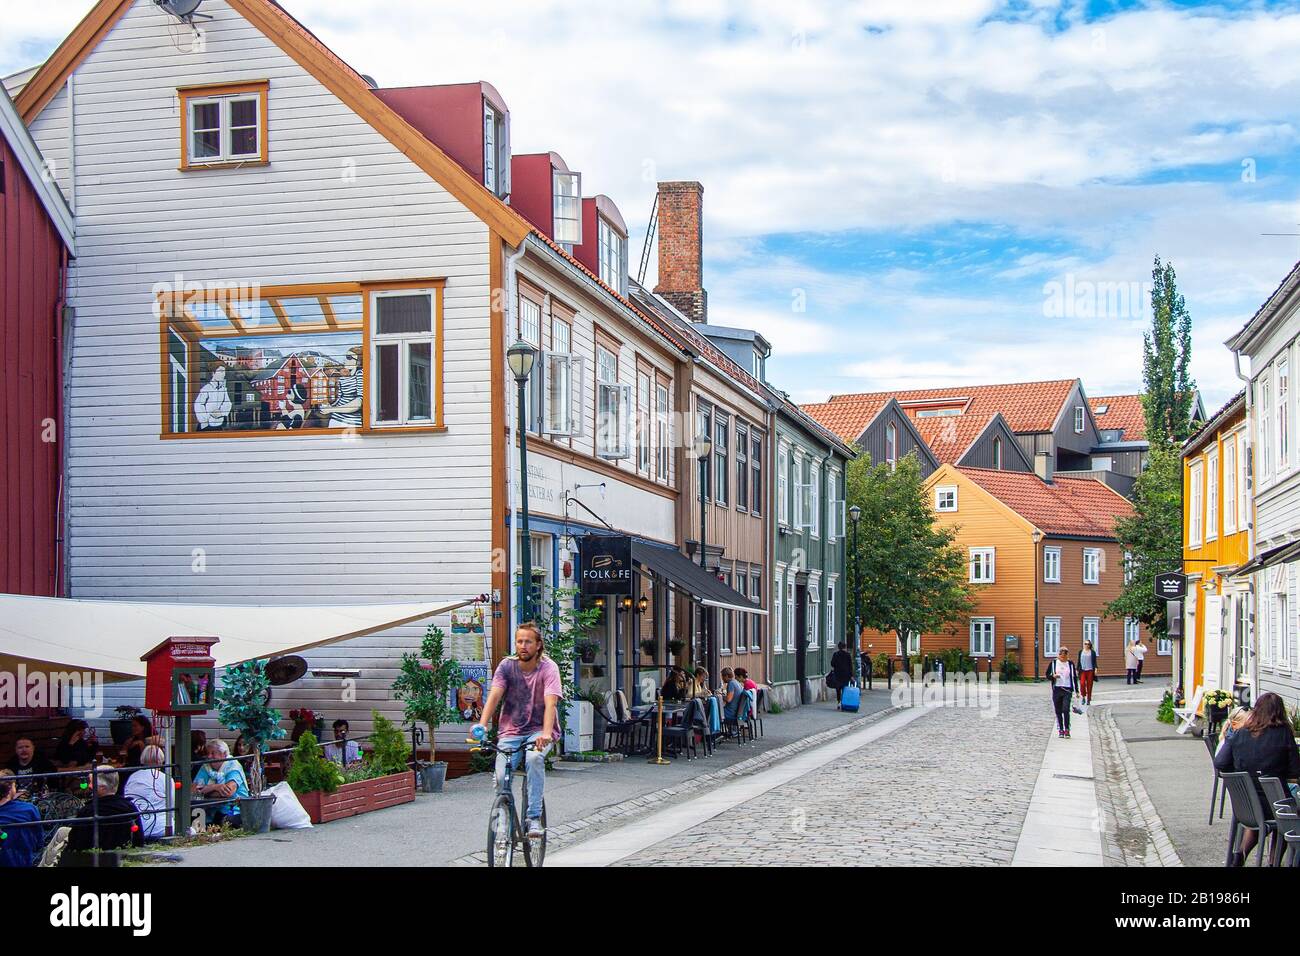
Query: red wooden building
x=36 y=243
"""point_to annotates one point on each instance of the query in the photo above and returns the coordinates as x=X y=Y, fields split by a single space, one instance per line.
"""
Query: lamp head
x=521 y=357
x=702 y=445
x=855 y=514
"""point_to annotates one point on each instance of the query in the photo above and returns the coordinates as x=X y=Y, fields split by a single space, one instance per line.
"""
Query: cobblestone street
x=950 y=788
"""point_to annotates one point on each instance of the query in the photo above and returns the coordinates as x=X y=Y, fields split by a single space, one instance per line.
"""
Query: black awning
x=688 y=576
x=1272 y=556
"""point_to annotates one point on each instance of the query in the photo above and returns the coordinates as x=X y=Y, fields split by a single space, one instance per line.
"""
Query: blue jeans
x=534 y=765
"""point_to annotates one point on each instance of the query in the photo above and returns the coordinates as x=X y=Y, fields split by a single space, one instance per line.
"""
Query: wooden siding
x=31 y=289
x=281 y=520
x=981 y=453
x=873 y=441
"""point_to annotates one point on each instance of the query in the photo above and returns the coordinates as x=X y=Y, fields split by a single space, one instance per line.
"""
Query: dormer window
x=223 y=125
x=1079 y=419
x=567 y=215
x=496 y=151
x=613 y=256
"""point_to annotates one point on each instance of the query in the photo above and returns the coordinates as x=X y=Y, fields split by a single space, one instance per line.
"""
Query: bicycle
x=506 y=824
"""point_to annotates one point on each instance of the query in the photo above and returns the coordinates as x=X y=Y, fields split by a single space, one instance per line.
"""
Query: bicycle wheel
x=534 y=850
x=503 y=827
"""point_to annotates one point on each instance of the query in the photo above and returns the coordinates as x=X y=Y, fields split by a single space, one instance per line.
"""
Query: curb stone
x=562 y=833
x=1124 y=802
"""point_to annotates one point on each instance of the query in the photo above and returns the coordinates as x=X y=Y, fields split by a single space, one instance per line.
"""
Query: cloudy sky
x=897 y=193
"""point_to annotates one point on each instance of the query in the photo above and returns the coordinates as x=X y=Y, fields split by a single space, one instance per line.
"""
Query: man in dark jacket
x=1064 y=678
x=119 y=819
x=841 y=669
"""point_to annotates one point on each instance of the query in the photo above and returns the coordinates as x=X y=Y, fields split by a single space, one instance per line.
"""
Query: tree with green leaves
x=1152 y=537
x=912 y=577
x=242 y=705
x=424 y=684
x=1166 y=361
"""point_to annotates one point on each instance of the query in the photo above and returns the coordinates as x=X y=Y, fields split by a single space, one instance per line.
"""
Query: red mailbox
x=180 y=676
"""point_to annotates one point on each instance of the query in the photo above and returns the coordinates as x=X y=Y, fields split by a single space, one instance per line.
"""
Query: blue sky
x=893 y=189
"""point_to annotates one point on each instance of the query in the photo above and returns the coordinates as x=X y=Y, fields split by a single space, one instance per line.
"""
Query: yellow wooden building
x=1218 y=646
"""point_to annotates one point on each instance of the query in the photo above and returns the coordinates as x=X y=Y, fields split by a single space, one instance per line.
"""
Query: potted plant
x=675 y=647
x=310 y=771
x=650 y=647
x=381 y=779
x=424 y=685
x=1217 y=703
x=120 y=726
x=304 y=721
x=242 y=706
x=587 y=651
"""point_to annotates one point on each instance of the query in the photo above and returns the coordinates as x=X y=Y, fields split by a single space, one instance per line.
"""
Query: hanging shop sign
x=605 y=565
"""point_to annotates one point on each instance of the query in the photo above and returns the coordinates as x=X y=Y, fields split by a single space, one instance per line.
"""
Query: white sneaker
x=535 y=830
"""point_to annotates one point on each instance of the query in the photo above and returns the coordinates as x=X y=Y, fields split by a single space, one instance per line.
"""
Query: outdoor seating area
x=692 y=727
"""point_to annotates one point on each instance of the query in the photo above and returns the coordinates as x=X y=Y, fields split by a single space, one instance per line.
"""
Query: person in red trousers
x=1087 y=671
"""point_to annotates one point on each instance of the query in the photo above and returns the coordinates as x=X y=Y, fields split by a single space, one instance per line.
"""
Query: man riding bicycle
x=527 y=686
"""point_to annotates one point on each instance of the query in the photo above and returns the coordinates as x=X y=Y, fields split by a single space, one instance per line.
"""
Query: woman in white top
x=1130 y=664
x=150 y=789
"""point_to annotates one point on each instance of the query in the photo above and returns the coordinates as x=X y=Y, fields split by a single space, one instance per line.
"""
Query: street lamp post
x=521 y=357
x=703 y=448
x=855 y=515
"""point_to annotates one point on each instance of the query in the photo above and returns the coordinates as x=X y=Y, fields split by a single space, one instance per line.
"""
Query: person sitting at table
x=342 y=751
x=221 y=779
x=21 y=846
x=141 y=731
x=149 y=789
x=700 y=684
x=119 y=820
x=674 y=688
x=1236 y=717
x=733 y=694
x=1264 y=747
x=74 y=749
x=742 y=675
x=26 y=762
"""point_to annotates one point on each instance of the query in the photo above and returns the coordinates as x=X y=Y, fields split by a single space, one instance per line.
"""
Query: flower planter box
x=361 y=797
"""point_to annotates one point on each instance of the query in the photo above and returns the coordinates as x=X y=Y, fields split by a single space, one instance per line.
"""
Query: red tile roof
x=1068 y=506
x=1123 y=412
x=1027 y=406
x=950 y=435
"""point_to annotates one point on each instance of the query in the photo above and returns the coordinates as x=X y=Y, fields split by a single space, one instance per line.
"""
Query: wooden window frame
x=191 y=335
x=218 y=91
x=1056 y=551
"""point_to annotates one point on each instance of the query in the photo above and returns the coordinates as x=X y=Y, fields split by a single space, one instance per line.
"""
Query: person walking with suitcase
x=1064 y=678
x=841 y=670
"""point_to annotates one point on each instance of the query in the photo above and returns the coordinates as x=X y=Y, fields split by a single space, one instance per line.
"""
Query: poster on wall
x=468 y=635
x=468 y=698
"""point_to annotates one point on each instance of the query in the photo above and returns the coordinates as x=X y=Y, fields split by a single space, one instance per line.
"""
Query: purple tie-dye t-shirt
x=523 y=708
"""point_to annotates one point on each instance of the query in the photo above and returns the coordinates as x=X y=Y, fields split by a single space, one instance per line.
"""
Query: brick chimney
x=681 y=251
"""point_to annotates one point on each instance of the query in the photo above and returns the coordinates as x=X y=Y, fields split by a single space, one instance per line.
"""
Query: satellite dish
x=285 y=670
x=181 y=9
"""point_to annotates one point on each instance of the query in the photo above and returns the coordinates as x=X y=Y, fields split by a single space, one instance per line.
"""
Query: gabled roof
x=1027 y=406
x=1123 y=412
x=1078 y=507
x=302 y=46
x=951 y=437
x=33 y=166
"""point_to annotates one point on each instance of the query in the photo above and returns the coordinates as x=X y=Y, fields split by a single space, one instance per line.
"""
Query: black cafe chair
x=679 y=737
x=1220 y=791
x=1248 y=813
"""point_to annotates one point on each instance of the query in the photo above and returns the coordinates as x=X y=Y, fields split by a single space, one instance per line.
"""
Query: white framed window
x=1080 y=419
x=644 y=432
x=997 y=453
x=913 y=643
x=1091 y=630
x=613 y=408
x=756 y=625
x=1164 y=647
x=1230 y=485
x=778 y=612
x=567 y=217
x=1128 y=567
x=742 y=466
x=1212 y=495
x=1195 y=505
x=792 y=643
x=1243 y=486
x=496 y=151
x=402 y=357
x=814 y=499
x=945 y=498
x=1092 y=565
x=800 y=495
x=741 y=584
x=835 y=512
x=224 y=127
x=1287 y=621
x=1052 y=565
x=981 y=565
x=755 y=472
x=891 y=445
x=783 y=486
x=612 y=255
x=1264 y=424
x=832 y=624
x=814 y=616
x=663 y=431
x=1052 y=636
x=721 y=458
x=1281 y=411
x=981 y=636
x=561 y=374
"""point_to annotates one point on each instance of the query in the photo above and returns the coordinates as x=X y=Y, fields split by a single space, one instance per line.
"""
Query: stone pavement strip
x=1063 y=826
x=1132 y=831
x=930 y=786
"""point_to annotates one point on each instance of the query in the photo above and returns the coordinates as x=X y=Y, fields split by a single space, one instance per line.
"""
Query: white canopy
x=111 y=636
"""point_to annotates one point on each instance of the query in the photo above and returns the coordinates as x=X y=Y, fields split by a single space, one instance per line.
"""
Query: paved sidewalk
x=1063 y=826
x=438 y=829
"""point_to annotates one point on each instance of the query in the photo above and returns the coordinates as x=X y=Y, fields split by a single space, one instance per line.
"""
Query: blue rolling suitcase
x=852 y=697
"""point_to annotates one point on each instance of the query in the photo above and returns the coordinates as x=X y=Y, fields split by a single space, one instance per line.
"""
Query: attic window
x=567 y=213
x=223 y=125
x=1102 y=409
x=496 y=151
x=613 y=256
